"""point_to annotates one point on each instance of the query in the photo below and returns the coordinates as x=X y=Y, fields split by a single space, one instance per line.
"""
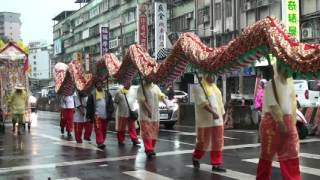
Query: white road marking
x=76 y=145
x=303 y=169
x=189 y=133
x=70 y=178
x=311 y=156
x=1 y=149
x=241 y=131
x=175 y=141
x=68 y=143
x=121 y=158
x=103 y=165
x=146 y=175
x=230 y=173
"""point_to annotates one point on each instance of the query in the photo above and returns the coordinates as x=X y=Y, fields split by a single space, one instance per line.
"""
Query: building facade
x=79 y=31
x=39 y=60
x=310 y=21
x=10 y=26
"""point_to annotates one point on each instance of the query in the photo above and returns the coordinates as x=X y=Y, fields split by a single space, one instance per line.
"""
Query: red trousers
x=66 y=119
x=100 y=126
x=149 y=144
x=78 y=129
x=286 y=146
x=123 y=123
x=215 y=156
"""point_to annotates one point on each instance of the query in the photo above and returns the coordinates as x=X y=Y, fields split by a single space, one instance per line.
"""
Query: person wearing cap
x=148 y=96
x=18 y=103
x=67 y=110
x=80 y=122
x=278 y=128
x=99 y=110
x=123 y=121
x=209 y=110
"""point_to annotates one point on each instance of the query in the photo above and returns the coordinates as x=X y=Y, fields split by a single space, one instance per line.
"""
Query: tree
x=5 y=39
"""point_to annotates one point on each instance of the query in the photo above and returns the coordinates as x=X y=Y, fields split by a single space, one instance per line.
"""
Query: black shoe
x=62 y=130
x=87 y=139
x=69 y=135
x=136 y=142
x=121 y=143
x=218 y=169
x=101 y=146
x=195 y=163
x=150 y=154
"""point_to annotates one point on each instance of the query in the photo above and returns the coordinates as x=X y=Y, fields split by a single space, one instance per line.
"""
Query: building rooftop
x=62 y=15
x=82 y=1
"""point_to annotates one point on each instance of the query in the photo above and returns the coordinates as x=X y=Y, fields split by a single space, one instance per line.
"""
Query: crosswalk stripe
x=230 y=173
x=146 y=175
x=303 y=169
x=311 y=156
x=189 y=133
x=70 y=178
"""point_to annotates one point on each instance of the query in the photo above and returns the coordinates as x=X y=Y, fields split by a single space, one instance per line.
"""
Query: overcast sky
x=37 y=15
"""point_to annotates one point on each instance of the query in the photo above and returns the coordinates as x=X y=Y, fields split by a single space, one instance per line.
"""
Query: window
x=217 y=11
x=129 y=38
x=34 y=57
x=203 y=15
x=228 y=8
x=34 y=62
x=34 y=69
x=34 y=74
x=77 y=37
x=94 y=30
x=180 y=23
x=113 y=3
x=94 y=12
x=104 y=6
x=130 y=16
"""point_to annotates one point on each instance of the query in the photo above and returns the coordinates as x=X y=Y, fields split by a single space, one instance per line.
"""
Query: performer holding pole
x=209 y=112
x=278 y=130
x=149 y=95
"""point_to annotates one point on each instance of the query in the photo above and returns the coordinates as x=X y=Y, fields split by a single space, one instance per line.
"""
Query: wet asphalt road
x=43 y=153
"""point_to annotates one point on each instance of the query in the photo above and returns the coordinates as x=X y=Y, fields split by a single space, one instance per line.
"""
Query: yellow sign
x=291 y=17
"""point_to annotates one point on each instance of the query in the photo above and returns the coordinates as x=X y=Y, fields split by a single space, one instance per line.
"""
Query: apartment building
x=310 y=21
x=10 y=25
x=39 y=60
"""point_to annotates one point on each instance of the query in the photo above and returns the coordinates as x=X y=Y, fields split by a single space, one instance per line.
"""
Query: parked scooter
x=302 y=125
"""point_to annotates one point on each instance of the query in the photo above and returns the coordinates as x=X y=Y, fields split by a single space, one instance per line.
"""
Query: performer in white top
x=67 y=109
x=278 y=130
x=209 y=123
x=123 y=120
x=148 y=98
x=79 y=118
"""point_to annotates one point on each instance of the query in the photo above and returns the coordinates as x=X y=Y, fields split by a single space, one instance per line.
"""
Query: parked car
x=307 y=92
x=181 y=96
x=168 y=117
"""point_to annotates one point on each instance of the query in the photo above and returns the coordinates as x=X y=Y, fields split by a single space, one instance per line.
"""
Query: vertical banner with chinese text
x=104 y=40
x=160 y=22
x=142 y=25
x=291 y=17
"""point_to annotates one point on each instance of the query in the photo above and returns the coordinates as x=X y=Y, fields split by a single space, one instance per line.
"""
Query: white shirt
x=122 y=107
x=78 y=116
x=67 y=102
x=285 y=94
x=202 y=116
x=153 y=95
x=101 y=108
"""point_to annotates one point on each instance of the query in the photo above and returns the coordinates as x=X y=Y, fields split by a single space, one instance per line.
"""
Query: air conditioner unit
x=306 y=33
x=113 y=43
x=189 y=15
x=205 y=18
x=248 y=6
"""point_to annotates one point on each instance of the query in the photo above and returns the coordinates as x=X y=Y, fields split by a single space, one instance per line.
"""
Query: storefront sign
x=142 y=25
x=291 y=16
x=160 y=26
x=104 y=40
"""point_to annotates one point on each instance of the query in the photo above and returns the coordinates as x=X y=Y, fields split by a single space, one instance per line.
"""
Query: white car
x=181 y=96
x=308 y=92
x=168 y=117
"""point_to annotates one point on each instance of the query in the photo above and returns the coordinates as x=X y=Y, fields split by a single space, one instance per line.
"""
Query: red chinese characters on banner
x=143 y=31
